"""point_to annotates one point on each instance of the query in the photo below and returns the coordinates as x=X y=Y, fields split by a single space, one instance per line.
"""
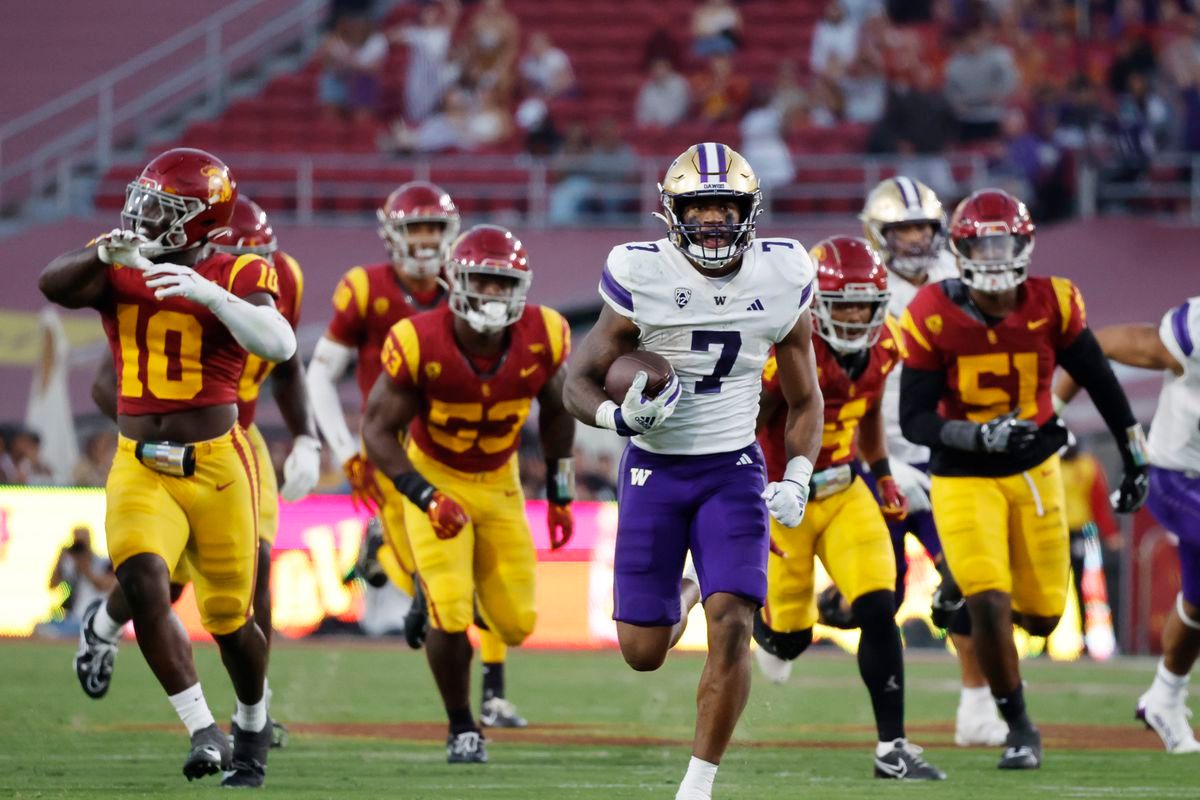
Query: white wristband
x=799 y=470
x=606 y=415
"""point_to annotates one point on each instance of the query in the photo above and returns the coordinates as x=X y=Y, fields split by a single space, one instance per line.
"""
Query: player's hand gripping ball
x=647 y=389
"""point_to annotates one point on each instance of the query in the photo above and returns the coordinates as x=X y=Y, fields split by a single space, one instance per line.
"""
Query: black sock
x=1012 y=708
x=493 y=679
x=461 y=720
x=881 y=661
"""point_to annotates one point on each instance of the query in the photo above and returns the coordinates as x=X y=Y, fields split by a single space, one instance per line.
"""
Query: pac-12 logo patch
x=682 y=296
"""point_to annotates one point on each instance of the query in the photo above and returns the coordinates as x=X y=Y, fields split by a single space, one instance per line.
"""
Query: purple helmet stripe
x=908 y=192
x=1179 y=326
x=804 y=297
x=702 y=151
x=722 y=167
x=615 y=291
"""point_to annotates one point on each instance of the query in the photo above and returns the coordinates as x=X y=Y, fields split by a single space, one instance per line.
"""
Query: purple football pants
x=669 y=504
x=1175 y=502
x=920 y=525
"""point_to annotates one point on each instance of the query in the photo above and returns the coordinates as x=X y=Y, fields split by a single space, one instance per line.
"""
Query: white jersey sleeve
x=902 y=293
x=716 y=334
x=1174 y=441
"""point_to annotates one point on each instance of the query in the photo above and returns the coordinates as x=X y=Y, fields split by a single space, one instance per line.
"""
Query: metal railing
x=46 y=144
x=1167 y=186
x=540 y=191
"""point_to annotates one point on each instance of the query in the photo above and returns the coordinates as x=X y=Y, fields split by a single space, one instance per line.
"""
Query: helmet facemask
x=911 y=258
x=846 y=336
x=994 y=262
x=711 y=246
x=161 y=217
x=415 y=259
x=483 y=310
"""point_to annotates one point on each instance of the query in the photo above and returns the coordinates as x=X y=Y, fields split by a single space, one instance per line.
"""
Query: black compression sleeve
x=1084 y=361
x=920 y=391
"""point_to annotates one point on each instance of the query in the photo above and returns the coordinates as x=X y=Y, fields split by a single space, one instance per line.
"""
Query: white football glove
x=175 y=280
x=914 y=484
x=302 y=469
x=120 y=246
x=641 y=414
x=787 y=498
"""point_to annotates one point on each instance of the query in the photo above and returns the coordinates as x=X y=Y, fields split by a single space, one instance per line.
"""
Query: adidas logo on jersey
x=744 y=460
x=638 y=477
x=756 y=305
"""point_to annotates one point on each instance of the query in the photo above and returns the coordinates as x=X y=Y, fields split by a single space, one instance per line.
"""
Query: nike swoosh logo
x=223 y=486
x=899 y=770
x=1037 y=323
x=527 y=371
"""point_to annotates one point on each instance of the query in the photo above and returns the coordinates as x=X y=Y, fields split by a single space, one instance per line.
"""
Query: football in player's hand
x=622 y=372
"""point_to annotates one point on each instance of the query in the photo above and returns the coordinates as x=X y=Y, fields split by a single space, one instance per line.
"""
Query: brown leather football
x=622 y=372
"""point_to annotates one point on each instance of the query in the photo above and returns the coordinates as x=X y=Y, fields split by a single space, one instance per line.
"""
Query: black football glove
x=1131 y=494
x=946 y=601
x=1007 y=434
x=833 y=610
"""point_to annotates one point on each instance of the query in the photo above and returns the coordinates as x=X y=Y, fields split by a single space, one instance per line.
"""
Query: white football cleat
x=979 y=725
x=1170 y=721
x=774 y=668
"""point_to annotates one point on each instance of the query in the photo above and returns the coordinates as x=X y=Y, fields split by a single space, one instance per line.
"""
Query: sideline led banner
x=317 y=545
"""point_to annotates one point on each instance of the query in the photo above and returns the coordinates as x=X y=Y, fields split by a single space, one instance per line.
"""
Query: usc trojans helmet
x=483 y=253
x=849 y=272
x=703 y=172
x=181 y=199
x=991 y=233
x=249 y=231
x=418 y=201
x=904 y=201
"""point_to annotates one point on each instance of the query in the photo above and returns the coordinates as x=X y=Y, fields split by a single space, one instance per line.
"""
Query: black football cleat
x=904 y=763
x=367 y=565
x=279 y=735
x=95 y=656
x=1023 y=750
x=496 y=712
x=467 y=747
x=249 y=767
x=209 y=755
x=416 y=621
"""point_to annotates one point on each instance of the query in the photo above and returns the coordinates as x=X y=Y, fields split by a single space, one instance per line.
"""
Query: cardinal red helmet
x=489 y=277
x=182 y=198
x=991 y=233
x=414 y=202
x=849 y=273
x=249 y=231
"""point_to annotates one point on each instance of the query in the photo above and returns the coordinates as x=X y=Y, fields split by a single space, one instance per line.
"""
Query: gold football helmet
x=710 y=170
x=903 y=201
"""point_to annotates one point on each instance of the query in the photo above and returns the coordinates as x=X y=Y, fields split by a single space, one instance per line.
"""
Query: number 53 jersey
x=994 y=366
x=717 y=333
x=174 y=354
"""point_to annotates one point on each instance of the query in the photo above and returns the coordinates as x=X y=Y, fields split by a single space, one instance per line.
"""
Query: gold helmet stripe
x=908 y=192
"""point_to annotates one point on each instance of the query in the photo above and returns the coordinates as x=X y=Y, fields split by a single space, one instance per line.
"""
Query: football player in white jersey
x=712 y=299
x=904 y=222
x=1174 y=454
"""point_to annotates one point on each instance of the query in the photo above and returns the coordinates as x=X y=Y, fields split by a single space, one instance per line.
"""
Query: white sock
x=975 y=695
x=192 y=709
x=267 y=691
x=883 y=748
x=253 y=717
x=1167 y=685
x=105 y=626
x=697 y=782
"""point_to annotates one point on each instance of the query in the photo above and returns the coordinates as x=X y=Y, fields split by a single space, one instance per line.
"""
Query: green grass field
x=352 y=709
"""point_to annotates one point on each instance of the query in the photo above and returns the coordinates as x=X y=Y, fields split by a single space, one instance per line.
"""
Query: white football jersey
x=902 y=293
x=717 y=335
x=1175 y=431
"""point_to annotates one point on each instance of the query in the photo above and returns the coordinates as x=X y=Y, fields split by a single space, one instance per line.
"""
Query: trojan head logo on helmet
x=183 y=198
x=852 y=293
x=249 y=231
x=903 y=220
x=710 y=174
x=489 y=277
x=991 y=233
x=418 y=253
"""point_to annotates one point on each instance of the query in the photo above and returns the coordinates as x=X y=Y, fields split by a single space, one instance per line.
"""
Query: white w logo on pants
x=638 y=477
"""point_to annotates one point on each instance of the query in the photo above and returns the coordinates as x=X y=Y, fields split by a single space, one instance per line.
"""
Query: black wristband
x=881 y=468
x=961 y=435
x=560 y=480
x=413 y=486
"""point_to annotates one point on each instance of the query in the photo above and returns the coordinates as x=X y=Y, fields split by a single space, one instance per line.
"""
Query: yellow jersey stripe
x=360 y=287
x=770 y=368
x=910 y=325
x=1063 y=290
x=238 y=266
x=410 y=346
x=556 y=333
x=297 y=278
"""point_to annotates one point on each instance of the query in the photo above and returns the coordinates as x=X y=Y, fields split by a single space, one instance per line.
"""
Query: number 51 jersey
x=717 y=333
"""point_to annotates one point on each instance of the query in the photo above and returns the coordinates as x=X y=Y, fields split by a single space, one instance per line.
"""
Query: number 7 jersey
x=717 y=333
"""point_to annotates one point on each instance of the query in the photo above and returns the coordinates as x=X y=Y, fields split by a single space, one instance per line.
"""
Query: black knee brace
x=787 y=646
x=875 y=610
x=960 y=623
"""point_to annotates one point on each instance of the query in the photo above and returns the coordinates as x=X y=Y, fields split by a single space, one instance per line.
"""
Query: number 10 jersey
x=717 y=333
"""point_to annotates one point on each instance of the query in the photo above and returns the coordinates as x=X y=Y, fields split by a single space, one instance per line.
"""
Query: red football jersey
x=291 y=294
x=468 y=421
x=367 y=302
x=847 y=400
x=992 y=369
x=172 y=355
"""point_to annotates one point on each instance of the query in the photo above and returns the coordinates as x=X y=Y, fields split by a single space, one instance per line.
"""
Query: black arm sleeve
x=920 y=391
x=1084 y=361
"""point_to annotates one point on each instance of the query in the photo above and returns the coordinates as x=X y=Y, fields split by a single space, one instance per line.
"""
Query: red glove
x=892 y=501
x=561 y=524
x=447 y=516
x=775 y=548
x=363 y=488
